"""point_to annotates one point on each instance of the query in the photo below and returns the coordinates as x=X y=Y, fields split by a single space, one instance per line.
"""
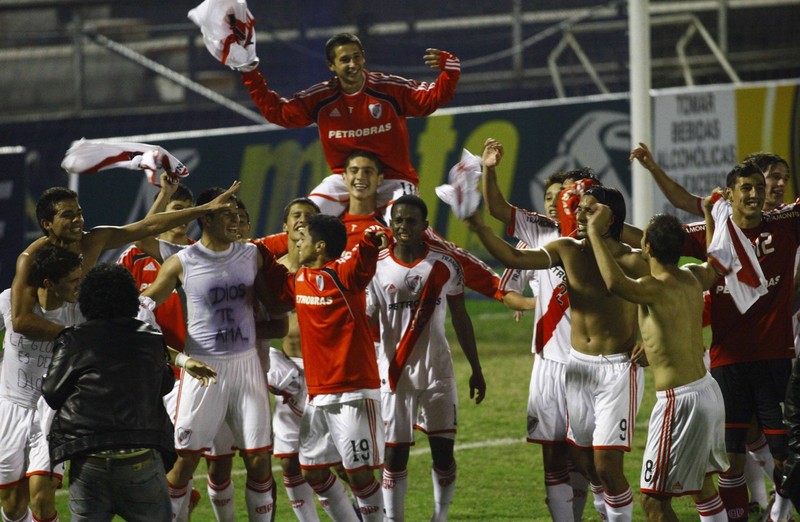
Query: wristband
x=180 y=360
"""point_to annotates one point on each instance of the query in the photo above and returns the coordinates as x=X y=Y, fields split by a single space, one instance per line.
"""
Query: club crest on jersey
x=414 y=282
x=184 y=435
x=320 y=282
x=391 y=289
x=375 y=109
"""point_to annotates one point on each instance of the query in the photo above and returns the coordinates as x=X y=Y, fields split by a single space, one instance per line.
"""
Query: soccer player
x=759 y=461
x=359 y=109
x=686 y=439
x=413 y=286
x=603 y=386
x=547 y=408
x=24 y=458
x=341 y=421
x=61 y=219
x=751 y=351
x=218 y=274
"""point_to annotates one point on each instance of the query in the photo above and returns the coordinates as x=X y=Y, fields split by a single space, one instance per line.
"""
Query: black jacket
x=106 y=381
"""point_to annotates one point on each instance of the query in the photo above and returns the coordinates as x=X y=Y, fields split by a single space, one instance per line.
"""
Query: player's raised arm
x=511 y=257
x=149 y=245
x=676 y=194
x=497 y=205
x=168 y=278
x=644 y=290
x=114 y=237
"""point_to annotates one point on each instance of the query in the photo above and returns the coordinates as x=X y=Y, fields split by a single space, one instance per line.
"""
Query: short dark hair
x=210 y=194
x=46 y=205
x=108 y=291
x=322 y=227
x=581 y=173
x=340 y=39
x=556 y=177
x=54 y=263
x=365 y=154
x=665 y=235
x=412 y=201
x=299 y=201
x=241 y=206
x=765 y=160
x=613 y=199
x=743 y=170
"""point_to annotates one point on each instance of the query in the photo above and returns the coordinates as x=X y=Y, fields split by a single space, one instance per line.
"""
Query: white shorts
x=432 y=411
x=332 y=196
x=350 y=433
x=40 y=449
x=223 y=441
x=547 y=402
x=23 y=447
x=286 y=424
x=685 y=440
x=603 y=396
x=239 y=398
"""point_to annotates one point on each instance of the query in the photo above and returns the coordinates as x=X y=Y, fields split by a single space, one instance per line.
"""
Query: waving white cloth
x=733 y=251
x=88 y=157
x=461 y=192
x=227 y=27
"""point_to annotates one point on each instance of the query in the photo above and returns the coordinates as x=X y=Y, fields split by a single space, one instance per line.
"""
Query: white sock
x=221 y=497
x=444 y=485
x=26 y=517
x=599 y=501
x=580 y=485
x=761 y=454
x=370 y=502
x=394 y=485
x=754 y=475
x=333 y=499
x=781 y=508
x=559 y=496
x=179 y=498
x=712 y=510
x=302 y=498
x=619 y=507
x=260 y=500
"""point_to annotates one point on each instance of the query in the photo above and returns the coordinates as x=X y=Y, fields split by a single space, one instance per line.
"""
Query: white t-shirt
x=219 y=298
x=26 y=360
x=410 y=302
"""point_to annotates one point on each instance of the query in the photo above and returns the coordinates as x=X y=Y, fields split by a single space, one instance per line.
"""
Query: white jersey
x=26 y=360
x=410 y=301
x=552 y=318
x=219 y=298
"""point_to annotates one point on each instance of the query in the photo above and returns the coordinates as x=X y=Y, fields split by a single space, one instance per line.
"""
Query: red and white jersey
x=219 y=298
x=25 y=361
x=357 y=224
x=410 y=302
x=169 y=314
x=373 y=119
x=764 y=331
x=552 y=318
x=330 y=302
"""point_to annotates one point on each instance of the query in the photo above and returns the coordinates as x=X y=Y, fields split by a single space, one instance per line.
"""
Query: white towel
x=89 y=157
x=461 y=193
x=227 y=28
x=733 y=251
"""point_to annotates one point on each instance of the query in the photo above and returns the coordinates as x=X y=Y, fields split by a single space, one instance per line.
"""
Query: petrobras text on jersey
x=313 y=300
x=357 y=133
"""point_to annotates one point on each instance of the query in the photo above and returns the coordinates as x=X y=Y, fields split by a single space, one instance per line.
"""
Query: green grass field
x=500 y=476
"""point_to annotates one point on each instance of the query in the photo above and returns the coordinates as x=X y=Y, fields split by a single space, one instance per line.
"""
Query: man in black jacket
x=106 y=380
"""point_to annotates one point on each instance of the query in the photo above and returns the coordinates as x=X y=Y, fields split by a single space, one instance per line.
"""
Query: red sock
x=733 y=491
